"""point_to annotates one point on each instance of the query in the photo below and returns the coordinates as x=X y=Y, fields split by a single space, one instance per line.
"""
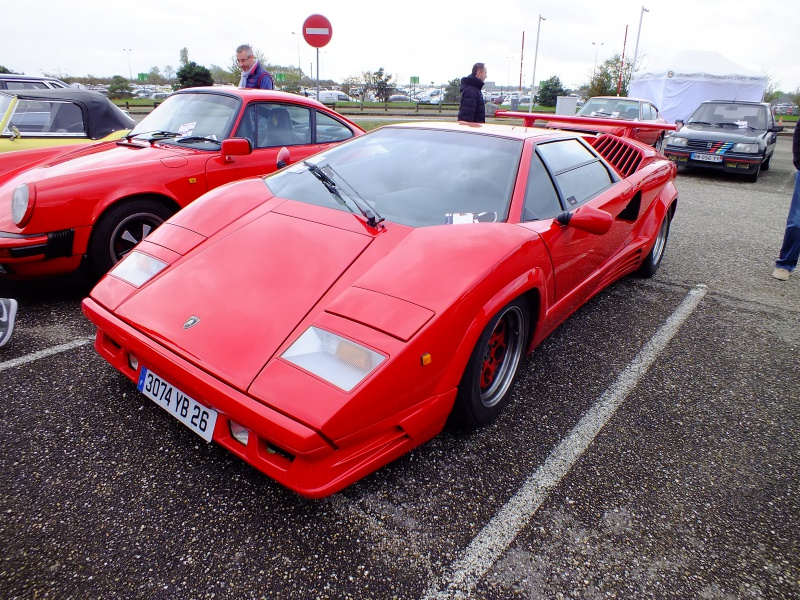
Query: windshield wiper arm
x=197 y=138
x=372 y=217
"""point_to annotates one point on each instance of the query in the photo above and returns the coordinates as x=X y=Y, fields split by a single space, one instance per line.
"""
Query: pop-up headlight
x=333 y=358
x=137 y=268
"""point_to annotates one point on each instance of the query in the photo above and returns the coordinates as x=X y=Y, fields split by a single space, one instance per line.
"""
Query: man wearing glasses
x=253 y=74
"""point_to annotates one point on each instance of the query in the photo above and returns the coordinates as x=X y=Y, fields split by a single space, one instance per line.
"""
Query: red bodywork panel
x=257 y=271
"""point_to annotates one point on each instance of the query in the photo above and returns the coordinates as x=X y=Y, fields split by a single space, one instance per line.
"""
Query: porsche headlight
x=333 y=358
x=745 y=148
x=22 y=200
x=680 y=142
x=138 y=268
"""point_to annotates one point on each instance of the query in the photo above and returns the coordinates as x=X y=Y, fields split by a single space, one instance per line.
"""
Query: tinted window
x=44 y=118
x=579 y=174
x=541 y=198
x=331 y=130
x=26 y=85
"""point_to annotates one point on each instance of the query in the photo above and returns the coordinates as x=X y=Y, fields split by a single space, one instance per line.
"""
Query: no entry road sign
x=317 y=31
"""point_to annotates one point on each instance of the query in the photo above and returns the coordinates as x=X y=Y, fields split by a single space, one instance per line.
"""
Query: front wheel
x=651 y=263
x=766 y=164
x=492 y=367
x=120 y=229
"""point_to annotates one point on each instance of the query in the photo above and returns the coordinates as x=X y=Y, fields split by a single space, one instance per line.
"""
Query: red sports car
x=601 y=112
x=60 y=206
x=324 y=320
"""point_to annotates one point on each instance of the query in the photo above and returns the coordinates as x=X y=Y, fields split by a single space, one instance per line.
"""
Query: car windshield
x=415 y=177
x=193 y=115
x=619 y=108
x=731 y=115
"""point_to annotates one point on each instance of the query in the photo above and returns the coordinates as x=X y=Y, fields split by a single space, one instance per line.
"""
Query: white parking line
x=461 y=577
x=44 y=353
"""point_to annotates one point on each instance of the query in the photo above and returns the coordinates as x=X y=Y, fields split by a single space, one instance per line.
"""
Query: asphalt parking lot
x=651 y=451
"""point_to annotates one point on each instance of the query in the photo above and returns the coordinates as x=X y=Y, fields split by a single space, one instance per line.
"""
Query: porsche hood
x=253 y=286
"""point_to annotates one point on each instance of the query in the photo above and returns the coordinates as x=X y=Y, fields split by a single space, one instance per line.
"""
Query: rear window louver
x=623 y=156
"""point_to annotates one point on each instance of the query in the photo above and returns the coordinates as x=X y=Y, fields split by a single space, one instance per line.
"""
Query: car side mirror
x=776 y=128
x=587 y=218
x=283 y=157
x=235 y=147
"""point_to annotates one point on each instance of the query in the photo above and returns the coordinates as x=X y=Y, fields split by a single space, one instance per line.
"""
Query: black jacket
x=796 y=147
x=472 y=108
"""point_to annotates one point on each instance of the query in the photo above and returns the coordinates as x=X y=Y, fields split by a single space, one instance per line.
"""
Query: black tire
x=653 y=260
x=492 y=367
x=753 y=177
x=766 y=164
x=120 y=229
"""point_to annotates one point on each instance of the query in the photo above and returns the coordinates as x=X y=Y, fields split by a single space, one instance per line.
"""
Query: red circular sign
x=317 y=31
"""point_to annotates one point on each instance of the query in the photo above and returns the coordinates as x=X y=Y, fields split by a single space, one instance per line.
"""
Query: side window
x=268 y=125
x=66 y=118
x=330 y=130
x=579 y=174
x=26 y=85
x=648 y=112
x=541 y=198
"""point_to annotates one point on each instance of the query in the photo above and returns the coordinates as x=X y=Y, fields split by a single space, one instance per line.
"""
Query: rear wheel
x=650 y=265
x=120 y=229
x=492 y=367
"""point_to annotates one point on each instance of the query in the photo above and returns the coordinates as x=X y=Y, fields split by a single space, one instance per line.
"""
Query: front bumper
x=283 y=448
x=23 y=256
x=739 y=163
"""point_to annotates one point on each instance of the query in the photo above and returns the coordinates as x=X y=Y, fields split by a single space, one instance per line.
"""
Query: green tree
x=5 y=69
x=193 y=75
x=606 y=79
x=119 y=87
x=380 y=82
x=184 y=56
x=452 y=93
x=549 y=91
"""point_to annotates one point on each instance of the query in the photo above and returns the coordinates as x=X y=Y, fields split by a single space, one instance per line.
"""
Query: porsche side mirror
x=235 y=147
x=283 y=157
x=587 y=218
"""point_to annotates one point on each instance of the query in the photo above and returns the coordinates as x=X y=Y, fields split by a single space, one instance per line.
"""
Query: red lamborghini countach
x=324 y=320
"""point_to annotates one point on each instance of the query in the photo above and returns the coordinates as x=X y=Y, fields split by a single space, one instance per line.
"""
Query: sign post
x=317 y=32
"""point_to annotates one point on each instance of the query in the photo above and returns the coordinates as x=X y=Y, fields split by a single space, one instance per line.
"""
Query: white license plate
x=188 y=411
x=707 y=157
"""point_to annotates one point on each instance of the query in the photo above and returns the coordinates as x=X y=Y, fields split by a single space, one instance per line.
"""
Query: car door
x=565 y=175
x=270 y=126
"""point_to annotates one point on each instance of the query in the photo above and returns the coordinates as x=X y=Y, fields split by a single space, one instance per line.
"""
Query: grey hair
x=245 y=48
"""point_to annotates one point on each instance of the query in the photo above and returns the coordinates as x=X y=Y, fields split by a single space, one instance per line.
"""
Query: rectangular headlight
x=138 y=268
x=333 y=358
x=745 y=148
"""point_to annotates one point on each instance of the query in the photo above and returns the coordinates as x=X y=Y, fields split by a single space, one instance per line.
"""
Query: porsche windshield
x=195 y=116
x=416 y=177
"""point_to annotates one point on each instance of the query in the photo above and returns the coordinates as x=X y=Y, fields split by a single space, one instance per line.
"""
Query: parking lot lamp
x=130 y=71
x=636 y=49
x=596 y=48
x=535 y=56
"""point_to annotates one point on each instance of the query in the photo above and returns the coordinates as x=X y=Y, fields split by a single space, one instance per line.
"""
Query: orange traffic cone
x=780 y=121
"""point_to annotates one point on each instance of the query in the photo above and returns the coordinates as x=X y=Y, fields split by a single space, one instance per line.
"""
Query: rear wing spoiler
x=554 y=121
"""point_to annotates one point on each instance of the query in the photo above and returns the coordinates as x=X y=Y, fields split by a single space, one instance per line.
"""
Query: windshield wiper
x=699 y=123
x=336 y=190
x=197 y=138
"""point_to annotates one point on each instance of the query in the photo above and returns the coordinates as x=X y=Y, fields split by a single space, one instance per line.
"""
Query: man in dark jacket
x=472 y=108
x=253 y=74
x=790 y=250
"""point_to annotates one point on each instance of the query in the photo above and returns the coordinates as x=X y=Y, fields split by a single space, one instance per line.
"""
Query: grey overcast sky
x=435 y=40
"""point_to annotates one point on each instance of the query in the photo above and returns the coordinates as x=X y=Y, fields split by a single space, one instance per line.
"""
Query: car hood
x=723 y=134
x=253 y=285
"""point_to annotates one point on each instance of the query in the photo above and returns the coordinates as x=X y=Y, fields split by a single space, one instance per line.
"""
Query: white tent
x=679 y=84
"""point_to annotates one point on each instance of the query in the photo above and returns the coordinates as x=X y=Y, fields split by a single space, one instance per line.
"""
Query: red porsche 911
x=324 y=320
x=61 y=207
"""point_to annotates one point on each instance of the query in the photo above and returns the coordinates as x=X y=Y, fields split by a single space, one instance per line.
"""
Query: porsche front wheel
x=492 y=367
x=120 y=229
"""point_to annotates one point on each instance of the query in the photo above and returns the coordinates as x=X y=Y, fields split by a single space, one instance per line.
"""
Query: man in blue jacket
x=253 y=74
x=472 y=108
x=790 y=250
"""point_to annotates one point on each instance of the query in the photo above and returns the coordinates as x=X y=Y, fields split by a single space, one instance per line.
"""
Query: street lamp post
x=508 y=80
x=130 y=72
x=535 y=56
x=636 y=49
x=596 y=48
x=299 y=68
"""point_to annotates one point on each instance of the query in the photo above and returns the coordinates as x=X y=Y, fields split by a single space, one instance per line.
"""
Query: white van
x=331 y=96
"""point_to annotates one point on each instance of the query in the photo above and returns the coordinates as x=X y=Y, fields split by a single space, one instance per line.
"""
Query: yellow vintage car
x=39 y=118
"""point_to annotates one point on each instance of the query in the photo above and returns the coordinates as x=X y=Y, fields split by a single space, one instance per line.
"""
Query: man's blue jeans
x=790 y=250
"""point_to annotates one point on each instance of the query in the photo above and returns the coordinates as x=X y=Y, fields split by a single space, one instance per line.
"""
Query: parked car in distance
x=13 y=81
x=402 y=98
x=728 y=136
x=325 y=320
x=431 y=97
x=624 y=109
x=94 y=203
x=331 y=96
x=54 y=117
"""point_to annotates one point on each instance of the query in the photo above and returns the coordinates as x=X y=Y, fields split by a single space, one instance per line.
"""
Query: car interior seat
x=279 y=128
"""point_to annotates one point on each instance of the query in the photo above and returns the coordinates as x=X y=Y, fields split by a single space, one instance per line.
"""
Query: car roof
x=519 y=132
x=105 y=116
x=19 y=76
x=252 y=93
